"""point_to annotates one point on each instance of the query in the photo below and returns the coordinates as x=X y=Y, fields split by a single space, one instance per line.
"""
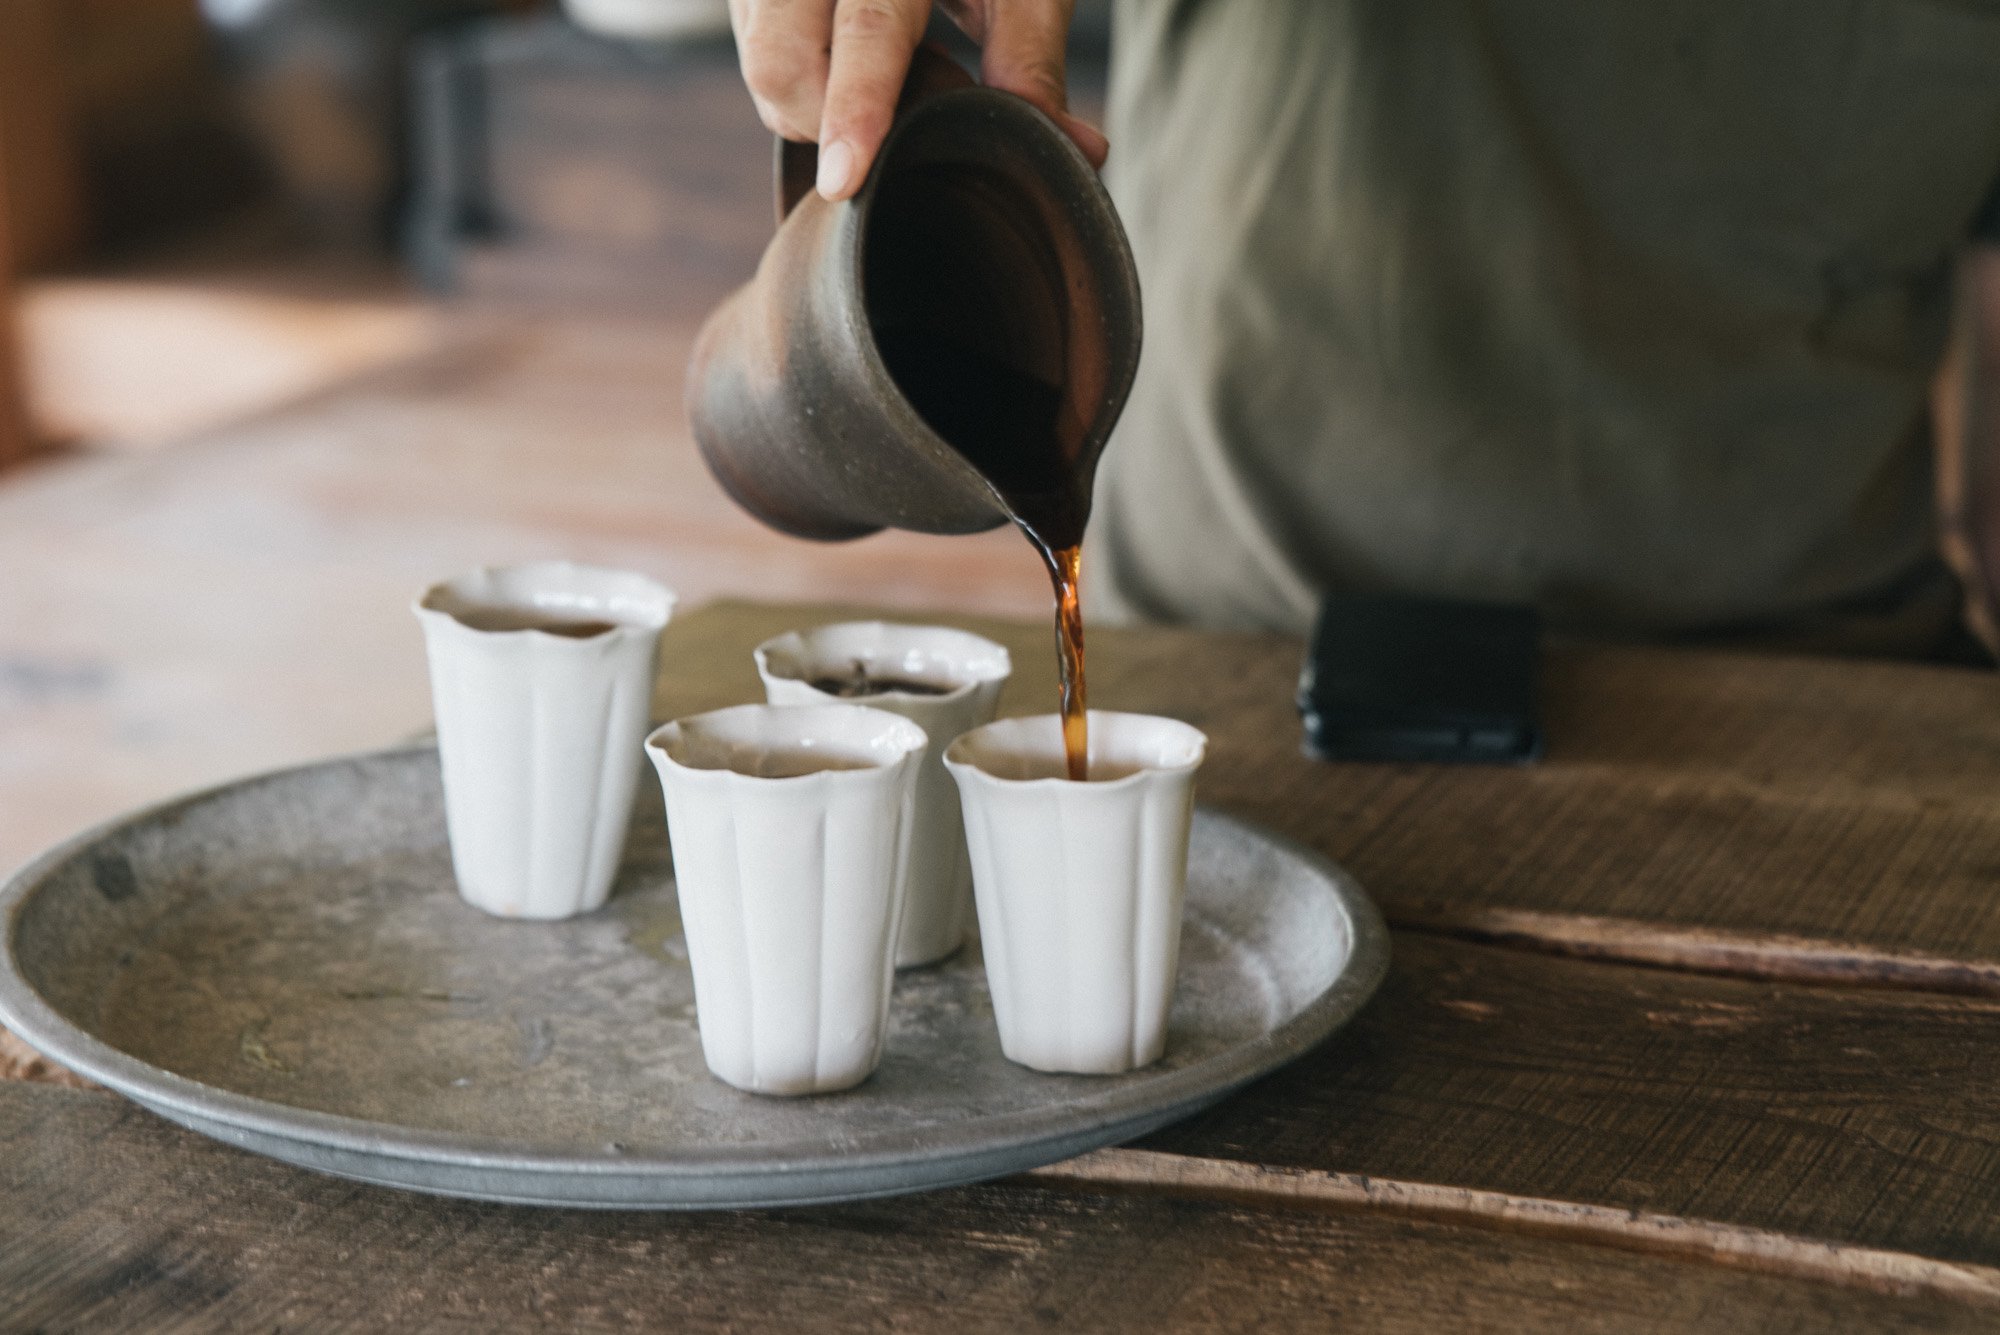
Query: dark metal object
x=791 y=401
x=283 y=964
x=1395 y=678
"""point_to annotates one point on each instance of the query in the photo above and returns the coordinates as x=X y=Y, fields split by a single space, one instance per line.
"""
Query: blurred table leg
x=41 y=191
x=15 y=437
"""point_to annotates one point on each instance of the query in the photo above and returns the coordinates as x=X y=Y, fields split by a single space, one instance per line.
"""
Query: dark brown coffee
x=975 y=326
x=515 y=618
x=1004 y=421
x=1066 y=568
x=857 y=687
x=798 y=764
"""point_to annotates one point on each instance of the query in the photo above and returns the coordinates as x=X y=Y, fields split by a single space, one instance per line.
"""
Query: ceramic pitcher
x=839 y=392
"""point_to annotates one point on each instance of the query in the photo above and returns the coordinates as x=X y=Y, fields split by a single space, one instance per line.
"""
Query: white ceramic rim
x=958 y=757
x=986 y=661
x=628 y=599
x=894 y=730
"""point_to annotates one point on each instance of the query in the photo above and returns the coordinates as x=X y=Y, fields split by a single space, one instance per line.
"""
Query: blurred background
x=306 y=303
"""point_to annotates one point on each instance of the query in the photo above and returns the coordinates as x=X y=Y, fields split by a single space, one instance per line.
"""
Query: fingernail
x=836 y=164
x=1088 y=138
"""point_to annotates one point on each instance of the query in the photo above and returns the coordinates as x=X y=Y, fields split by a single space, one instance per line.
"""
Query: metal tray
x=282 y=963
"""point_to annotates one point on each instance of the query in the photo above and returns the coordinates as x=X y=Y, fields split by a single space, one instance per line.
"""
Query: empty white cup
x=542 y=681
x=789 y=827
x=1080 y=886
x=970 y=670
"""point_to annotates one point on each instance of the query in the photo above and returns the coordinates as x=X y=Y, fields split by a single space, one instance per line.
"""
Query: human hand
x=830 y=70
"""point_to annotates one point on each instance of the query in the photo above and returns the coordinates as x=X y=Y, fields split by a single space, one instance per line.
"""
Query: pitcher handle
x=796 y=165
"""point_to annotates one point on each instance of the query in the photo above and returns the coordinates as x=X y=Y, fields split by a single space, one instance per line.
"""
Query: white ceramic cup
x=650 y=20
x=539 y=732
x=789 y=827
x=938 y=907
x=1080 y=886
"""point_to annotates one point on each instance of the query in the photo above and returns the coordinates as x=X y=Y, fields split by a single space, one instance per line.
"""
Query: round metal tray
x=282 y=963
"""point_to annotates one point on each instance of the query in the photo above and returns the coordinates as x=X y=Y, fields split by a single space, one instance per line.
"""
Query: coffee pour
x=945 y=352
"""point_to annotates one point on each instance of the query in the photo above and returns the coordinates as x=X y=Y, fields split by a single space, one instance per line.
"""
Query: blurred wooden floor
x=271 y=455
x=240 y=599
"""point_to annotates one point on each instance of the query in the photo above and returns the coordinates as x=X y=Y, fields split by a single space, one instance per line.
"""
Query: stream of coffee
x=1067 y=569
x=1003 y=421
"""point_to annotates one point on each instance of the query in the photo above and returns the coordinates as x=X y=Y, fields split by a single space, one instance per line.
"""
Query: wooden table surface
x=1695 y=1025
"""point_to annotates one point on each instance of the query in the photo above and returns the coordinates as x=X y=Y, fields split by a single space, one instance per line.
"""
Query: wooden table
x=1695 y=1025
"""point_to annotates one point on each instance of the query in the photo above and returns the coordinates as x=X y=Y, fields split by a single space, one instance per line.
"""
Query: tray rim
x=25 y=1013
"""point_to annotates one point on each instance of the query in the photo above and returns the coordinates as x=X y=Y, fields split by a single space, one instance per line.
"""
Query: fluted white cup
x=539 y=734
x=938 y=898
x=1080 y=886
x=789 y=825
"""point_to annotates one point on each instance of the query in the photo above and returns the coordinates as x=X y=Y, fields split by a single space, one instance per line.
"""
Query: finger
x=1022 y=51
x=1096 y=148
x=782 y=45
x=872 y=42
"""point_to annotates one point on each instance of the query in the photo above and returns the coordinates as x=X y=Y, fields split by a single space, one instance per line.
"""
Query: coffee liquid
x=1003 y=421
x=798 y=764
x=860 y=684
x=1067 y=570
x=513 y=618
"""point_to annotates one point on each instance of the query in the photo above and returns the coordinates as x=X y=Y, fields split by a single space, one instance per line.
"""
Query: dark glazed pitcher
x=971 y=316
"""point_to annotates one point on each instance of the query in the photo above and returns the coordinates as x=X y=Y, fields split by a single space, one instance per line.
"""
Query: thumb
x=1023 y=53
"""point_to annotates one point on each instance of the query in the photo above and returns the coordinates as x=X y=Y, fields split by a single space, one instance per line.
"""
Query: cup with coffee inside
x=1080 y=884
x=790 y=825
x=541 y=681
x=944 y=680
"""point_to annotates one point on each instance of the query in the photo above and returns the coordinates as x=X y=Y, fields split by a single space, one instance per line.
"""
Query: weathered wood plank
x=1828 y=1119
x=18 y=1061
x=1869 y=1118
x=1158 y=1173
x=1797 y=817
x=1862 y=1117
x=112 y=1219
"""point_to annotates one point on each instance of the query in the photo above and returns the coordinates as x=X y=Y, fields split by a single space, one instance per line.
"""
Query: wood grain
x=1835 y=820
x=18 y=1061
x=1872 y=1268
x=1857 y=1116
x=1863 y=1118
x=111 y=1219
x=1503 y=1139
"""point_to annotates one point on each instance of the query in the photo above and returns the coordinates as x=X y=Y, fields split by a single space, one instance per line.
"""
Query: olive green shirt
x=1628 y=311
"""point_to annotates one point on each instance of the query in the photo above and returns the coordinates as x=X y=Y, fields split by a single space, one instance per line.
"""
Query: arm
x=830 y=70
x=1965 y=414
